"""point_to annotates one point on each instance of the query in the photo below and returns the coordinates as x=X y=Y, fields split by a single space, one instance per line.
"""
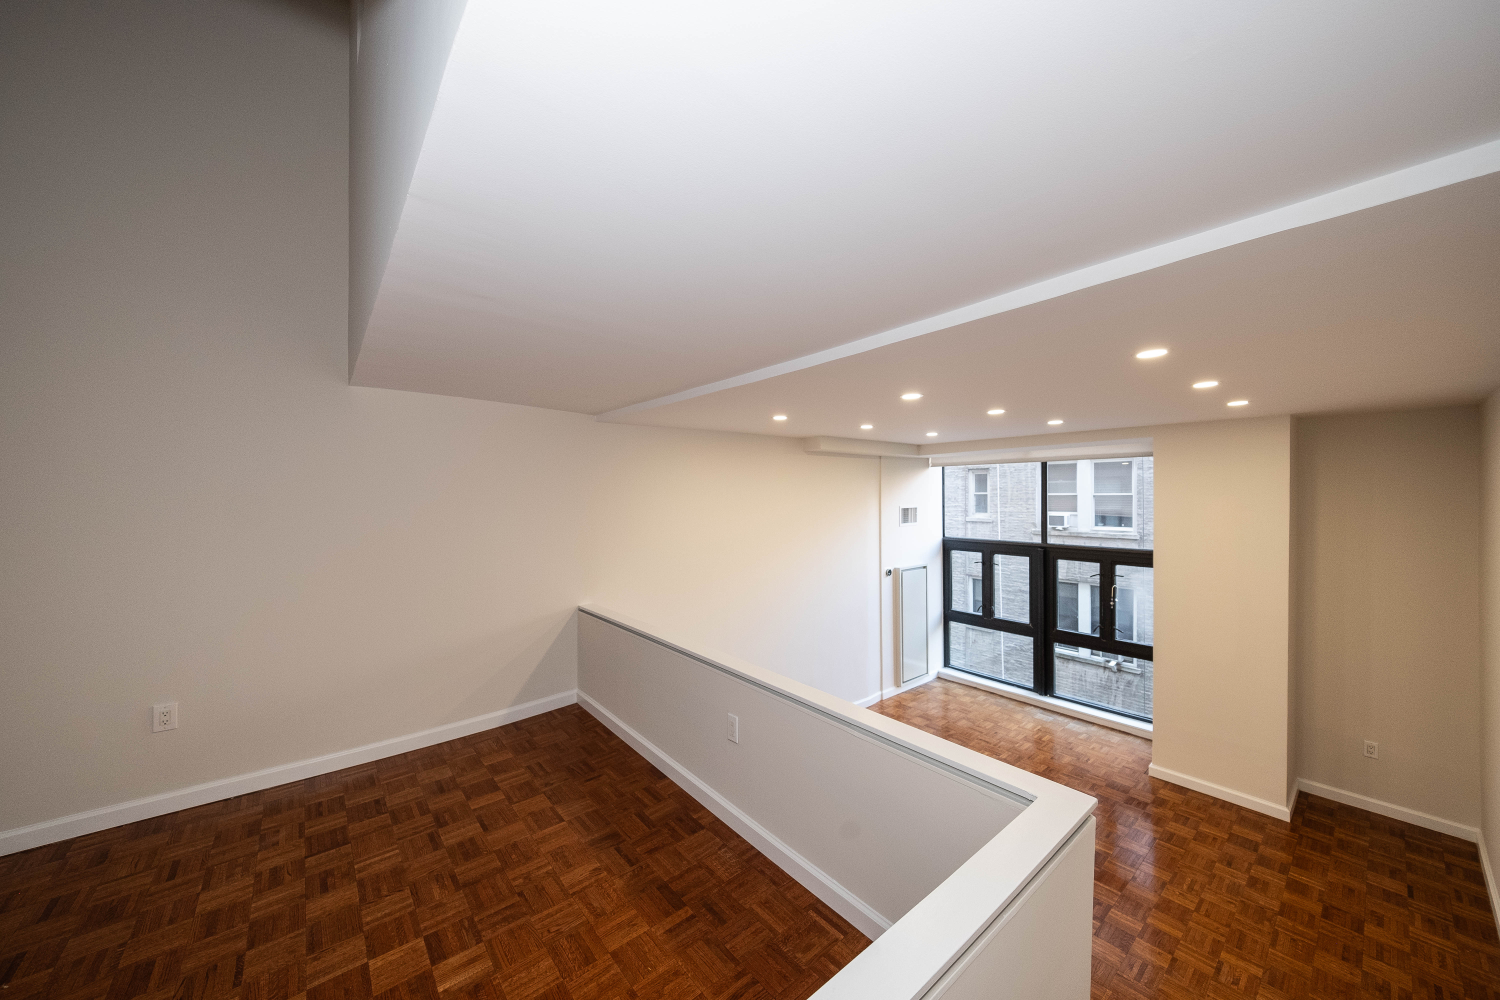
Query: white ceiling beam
x=1455 y=168
x=400 y=50
x=859 y=448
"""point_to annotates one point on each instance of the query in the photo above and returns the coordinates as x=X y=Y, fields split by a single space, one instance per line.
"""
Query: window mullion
x=987 y=573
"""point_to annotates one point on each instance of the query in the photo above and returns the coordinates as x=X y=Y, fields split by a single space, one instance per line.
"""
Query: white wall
x=909 y=482
x=989 y=868
x=1490 y=620
x=883 y=827
x=1387 y=609
x=1223 y=522
x=197 y=507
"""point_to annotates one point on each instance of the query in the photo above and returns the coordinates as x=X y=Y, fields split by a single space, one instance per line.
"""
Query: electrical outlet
x=734 y=728
x=1372 y=749
x=164 y=717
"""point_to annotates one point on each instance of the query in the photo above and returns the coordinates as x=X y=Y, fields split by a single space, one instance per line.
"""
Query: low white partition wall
x=974 y=878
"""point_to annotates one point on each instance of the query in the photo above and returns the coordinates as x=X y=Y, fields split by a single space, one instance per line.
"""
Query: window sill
x=1059 y=705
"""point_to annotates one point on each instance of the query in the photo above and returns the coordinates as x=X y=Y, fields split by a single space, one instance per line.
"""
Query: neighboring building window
x=976 y=595
x=1078 y=607
x=1114 y=495
x=1067 y=606
x=980 y=490
x=1125 y=614
x=1062 y=495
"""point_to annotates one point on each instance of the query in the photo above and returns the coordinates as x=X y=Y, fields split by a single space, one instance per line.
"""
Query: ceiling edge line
x=859 y=447
x=1053 y=440
x=1445 y=171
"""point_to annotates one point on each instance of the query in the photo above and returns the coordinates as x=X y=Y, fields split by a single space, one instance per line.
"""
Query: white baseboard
x=1489 y=874
x=849 y=906
x=891 y=692
x=1058 y=705
x=76 y=825
x=1276 y=810
x=1392 y=811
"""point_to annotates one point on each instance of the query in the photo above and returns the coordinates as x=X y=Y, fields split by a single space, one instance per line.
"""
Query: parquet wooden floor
x=544 y=859
x=1195 y=897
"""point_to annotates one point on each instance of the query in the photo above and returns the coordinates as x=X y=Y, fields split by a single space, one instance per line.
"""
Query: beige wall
x=1490 y=618
x=197 y=507
x=744 y=542
x=1223 y=522
x=1388 y=638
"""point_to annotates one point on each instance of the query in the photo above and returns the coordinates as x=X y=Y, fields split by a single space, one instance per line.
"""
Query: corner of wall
x=1294 y=629
x=1489 y=836
x=906 y=482
x=1223 y=578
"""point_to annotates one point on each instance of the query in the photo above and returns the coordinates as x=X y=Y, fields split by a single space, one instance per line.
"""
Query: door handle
x=1112 y=591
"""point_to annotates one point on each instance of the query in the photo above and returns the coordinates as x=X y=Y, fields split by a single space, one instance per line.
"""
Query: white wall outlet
x=734 y=728
x=1372 y=749
x=164 y=717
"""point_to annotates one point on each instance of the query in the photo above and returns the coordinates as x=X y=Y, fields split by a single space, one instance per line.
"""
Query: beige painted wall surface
x=1387 y=633
x=910 y=482
x=743 y=542
x=1490 y=617
x=1223 y=521
x=197 y=507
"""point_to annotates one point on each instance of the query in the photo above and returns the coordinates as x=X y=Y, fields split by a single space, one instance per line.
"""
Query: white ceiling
x=617 y=203
x=1394 y=306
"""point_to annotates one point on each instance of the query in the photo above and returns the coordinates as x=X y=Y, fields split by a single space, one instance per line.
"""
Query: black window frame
x=1042 y=629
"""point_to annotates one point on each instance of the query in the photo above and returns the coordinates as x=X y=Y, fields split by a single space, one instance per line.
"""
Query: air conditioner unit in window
x=1063 y=521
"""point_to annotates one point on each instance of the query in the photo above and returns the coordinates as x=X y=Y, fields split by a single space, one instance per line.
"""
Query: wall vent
x=908 y=515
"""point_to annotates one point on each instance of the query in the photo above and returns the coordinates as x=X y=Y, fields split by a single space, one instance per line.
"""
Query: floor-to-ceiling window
x=1048 y=578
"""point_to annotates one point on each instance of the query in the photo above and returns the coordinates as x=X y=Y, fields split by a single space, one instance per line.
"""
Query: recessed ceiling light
x=909 y=396
x=1155 y=352
x=779 y=416
x=1053 y=423
x=932 y=434
x=867 y=427
x=1205 y=385
x=994 y=413
x=1239 y=402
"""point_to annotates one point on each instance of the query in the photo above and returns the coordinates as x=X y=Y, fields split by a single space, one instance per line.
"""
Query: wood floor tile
x=1195 y=897
x=545 y=859
x=548 y=860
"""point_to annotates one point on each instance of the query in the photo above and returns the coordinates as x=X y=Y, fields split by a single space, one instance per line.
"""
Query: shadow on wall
x=510 y=667
x=545 y=662
x=333 y=13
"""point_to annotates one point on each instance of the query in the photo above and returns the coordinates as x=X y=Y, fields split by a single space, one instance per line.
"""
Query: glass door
x=1102 y=629
x=994 y=611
